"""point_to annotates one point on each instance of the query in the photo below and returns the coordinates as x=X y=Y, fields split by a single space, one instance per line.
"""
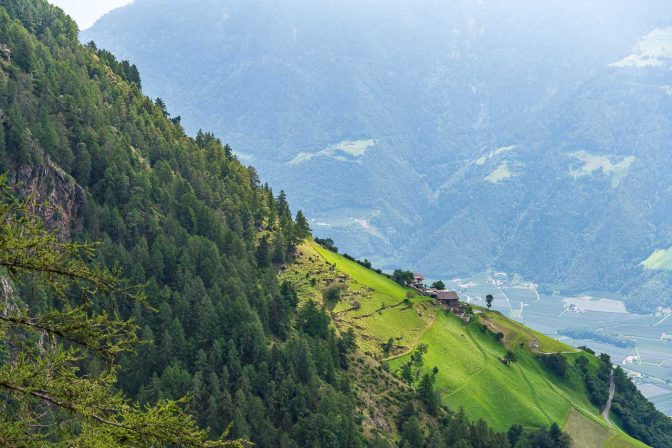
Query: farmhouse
x=449 y=298
x=418 y=278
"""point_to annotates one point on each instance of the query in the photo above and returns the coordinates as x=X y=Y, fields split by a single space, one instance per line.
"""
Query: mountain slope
x=184 y=218
x=471 y=374
x=178 y=215
x=503 y=134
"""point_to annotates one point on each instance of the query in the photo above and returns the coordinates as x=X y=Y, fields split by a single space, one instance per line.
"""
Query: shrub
x=327 y=243
x=557 y=363
x=333 y=292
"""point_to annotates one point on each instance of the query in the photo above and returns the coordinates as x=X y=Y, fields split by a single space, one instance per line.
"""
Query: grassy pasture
x=585 y=432
x=471 y=373
x=381 y=313
x=660 y=259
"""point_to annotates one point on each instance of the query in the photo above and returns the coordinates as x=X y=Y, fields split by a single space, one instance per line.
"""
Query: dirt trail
x=607 y=408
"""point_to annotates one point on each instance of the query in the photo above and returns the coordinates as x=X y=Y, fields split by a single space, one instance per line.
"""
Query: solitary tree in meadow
x=488 y=300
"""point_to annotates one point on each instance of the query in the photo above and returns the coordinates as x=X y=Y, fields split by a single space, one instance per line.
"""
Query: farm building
x=418 y=278
x=449 y=298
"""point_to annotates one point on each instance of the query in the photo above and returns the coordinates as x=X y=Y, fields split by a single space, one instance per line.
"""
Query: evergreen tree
x=302 y=226
x=41 y=375
x=263 y=253
x=428 y=395
x=412 y=435
x=162 y=107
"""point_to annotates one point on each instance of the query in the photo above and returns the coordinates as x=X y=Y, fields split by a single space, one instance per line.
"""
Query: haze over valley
x=442 y=138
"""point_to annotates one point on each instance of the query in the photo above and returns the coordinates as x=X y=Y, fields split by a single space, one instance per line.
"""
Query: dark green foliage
x=366 y=263
x=439 y=285
x=557 y=363
x=407 y=373
x=313 y=320
x=514 y=434
x=263 y=253
x=586 y=349
x=333 y=292
x=488 y=300
x=638 y=416
x=544 y=438
x=127 y=71
x=302 y=226
x=347 y=343
x=281 y=310
x=412 y=434
x=454 y=430
x=327 y=243
x=404 y=278
x=185 y=217
x=388 y=346
x=598 y=382
x=45 y=397
x=429 y=395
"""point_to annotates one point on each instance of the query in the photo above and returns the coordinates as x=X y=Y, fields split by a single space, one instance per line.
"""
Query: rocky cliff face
x=61 y=200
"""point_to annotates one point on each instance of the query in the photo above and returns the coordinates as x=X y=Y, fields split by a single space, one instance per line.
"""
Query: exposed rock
x=5 y=53
x=9 y=306
x=61 y=200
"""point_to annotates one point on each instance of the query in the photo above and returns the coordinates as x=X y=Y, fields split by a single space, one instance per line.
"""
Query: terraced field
x=469 y=358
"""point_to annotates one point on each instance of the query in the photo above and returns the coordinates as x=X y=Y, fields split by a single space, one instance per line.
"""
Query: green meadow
x=661 y=259
x=469 y=358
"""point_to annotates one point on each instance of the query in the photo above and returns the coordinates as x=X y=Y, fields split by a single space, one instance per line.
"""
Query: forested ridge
x=181 y=216
x=97 y=161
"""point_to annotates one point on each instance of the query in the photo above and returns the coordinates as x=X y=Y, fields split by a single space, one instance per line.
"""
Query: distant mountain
x=440 y=137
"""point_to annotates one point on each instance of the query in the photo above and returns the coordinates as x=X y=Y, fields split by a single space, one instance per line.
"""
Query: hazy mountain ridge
x=437 y=92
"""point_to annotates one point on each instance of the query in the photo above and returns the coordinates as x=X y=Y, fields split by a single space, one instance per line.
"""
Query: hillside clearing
x=501 y=173
x=659 y=260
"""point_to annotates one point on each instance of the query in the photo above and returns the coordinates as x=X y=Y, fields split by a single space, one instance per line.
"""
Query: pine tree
x=263 y=253
x=162 y=106
x=302 y=226
x=39 y=376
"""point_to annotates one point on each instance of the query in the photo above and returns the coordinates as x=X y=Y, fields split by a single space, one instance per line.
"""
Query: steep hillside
x=444 y=136
x=178 y=215
x=96 y=160
x=392 y=323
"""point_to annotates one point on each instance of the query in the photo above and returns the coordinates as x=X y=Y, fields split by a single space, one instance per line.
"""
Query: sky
x=86 y=12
